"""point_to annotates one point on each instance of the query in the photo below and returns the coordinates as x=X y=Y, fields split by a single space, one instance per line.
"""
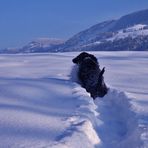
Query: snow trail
x=119 y=126
x=105 y=122
x=81 y=125
x=114 y=118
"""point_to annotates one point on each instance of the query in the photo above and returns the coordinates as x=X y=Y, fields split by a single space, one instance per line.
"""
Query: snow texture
x=133 y=32
x=41 y=105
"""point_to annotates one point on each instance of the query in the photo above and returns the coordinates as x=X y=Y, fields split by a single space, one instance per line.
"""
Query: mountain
x=38 y=45
x=130 y=32
x=42 y=45
x=132 y=38
x=87 y=35
x=102 y=32
x=139 y=17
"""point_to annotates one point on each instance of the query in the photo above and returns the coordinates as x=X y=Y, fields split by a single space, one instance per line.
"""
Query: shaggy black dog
x=90 y=74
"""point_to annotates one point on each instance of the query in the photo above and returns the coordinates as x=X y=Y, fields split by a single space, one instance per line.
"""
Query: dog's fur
x=90 y=74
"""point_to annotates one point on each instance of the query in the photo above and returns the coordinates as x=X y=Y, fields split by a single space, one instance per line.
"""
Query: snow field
x=41 y=107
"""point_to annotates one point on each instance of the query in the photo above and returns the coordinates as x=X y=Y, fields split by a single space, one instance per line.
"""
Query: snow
x=43 y=43
x=41 y=105
x=133 y=32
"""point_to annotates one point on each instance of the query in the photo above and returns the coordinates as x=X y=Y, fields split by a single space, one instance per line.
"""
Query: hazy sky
x=24 y=20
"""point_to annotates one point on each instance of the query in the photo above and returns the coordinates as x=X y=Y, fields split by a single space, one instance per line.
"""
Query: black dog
x=90 y=74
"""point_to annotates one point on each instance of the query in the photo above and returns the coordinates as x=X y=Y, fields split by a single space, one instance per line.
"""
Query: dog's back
x=88 y=72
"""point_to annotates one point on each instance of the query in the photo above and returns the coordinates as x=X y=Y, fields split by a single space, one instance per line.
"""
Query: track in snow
x=119 y=128
x=115 y=121
x=105 y=122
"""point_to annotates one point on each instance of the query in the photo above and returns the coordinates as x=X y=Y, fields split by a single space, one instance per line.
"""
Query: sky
x=22 y=21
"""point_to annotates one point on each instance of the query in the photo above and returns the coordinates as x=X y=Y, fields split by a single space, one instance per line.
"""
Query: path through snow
x=107 y=122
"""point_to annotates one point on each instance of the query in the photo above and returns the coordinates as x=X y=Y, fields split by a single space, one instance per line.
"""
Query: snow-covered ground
x=41 y=106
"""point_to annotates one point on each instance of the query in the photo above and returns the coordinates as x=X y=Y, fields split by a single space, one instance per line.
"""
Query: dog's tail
x=102 y=72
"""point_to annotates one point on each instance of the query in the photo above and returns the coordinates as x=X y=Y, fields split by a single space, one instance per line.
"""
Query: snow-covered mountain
x=133 y=32
x=129 y=32
x=42 y=45
x=132 y=27
x=37 y=45
x=131 y=38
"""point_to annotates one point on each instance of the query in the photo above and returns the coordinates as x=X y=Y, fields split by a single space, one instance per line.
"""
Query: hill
x=135 y=23
x=130 y=32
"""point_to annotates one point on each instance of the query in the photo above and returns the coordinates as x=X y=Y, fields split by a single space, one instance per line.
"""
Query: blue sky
x=25 y=20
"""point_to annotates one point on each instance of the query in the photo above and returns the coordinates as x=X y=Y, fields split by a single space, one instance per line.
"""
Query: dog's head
x=79 y=59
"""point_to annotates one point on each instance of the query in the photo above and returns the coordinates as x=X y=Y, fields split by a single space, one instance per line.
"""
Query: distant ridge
x=139 y=17
x=102 y=31
x=124 y=33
